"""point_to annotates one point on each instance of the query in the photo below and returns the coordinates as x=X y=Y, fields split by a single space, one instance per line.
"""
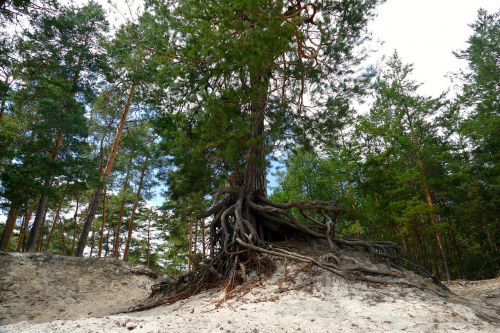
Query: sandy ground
x=40 y=288
x=300 y=298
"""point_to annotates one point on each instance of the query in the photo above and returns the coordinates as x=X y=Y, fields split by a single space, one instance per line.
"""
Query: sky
x=425 y=33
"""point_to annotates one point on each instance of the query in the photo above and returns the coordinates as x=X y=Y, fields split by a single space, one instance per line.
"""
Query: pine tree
x=243 y=77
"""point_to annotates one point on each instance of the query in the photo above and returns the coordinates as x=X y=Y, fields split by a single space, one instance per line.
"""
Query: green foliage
x=412 y=170
x=397 y=154
x=218 y=58
x=58 y=63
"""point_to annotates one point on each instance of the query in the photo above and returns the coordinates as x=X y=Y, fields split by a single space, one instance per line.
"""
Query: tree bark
x=190 y=243
x=39 y=241
x=41 y=210
x=434 y=219
x=92 y=243
x=428 y=197
x=134 y=208
x=63 y=240
x=255 y=173
x=202 y=221
x=24 y=229
x=106 y=249
x=75 y=223
x=195 y=247
x=148 y=243
x=101 y=237
x=116 y=241
x=37 y=223
x=9 y=228
x=54 y=223
x=107 y=170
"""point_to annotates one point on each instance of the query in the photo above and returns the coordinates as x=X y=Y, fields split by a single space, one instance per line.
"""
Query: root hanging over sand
x=249 y=233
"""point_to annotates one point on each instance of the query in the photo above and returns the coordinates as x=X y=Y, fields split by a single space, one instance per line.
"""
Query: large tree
x=244 y=77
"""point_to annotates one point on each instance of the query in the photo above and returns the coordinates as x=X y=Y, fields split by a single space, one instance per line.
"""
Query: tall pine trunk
x=75 y=224
x=148 y=245
x=433 y=216
x=54 y=223
x=42 y=232
x=255 y=172
x=255 y=184
x=24 y=228
x=103 y=222
x=116 y=242
x=42 y=203
x=203 y=245
x=134 y=208
x=37 y=223
x=63 y=239
x=190 y=243
x=94 y=203
x=9 y=228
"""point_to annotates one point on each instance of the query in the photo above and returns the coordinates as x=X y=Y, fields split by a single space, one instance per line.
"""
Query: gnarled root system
x=247 y=231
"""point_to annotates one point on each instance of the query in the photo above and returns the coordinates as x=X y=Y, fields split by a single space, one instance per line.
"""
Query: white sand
x=299 y=299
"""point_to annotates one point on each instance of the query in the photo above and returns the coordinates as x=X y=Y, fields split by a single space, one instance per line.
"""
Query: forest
x=206 y=128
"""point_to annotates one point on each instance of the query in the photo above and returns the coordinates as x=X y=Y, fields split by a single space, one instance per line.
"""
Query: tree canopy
x=154 y=142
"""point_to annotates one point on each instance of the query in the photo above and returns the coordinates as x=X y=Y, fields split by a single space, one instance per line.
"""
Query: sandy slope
x=300 y=298
x=39 y=288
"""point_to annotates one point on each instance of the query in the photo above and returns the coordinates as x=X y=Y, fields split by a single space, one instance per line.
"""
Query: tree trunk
x=255 y=173
x=75 y=223
x=42 y=232
x=101 y=236
x=41 y=210
x=37 y=223
x=489 y=244
x=255 y=185
x=148 y=243
x=63 y=240
x=106 y=249
x=116 y=243
x=92 y=243
x=429 y=200
x=202 y=221
x=3 y=102
x=24 y=229
x=434 y=219
x=9 y=228
x=107 y=170
x=190 y=243
x=54 y=223
x=457 y=254
x=134 y=208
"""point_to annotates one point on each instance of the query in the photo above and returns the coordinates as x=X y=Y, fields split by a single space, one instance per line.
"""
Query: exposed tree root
x=243 y=233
